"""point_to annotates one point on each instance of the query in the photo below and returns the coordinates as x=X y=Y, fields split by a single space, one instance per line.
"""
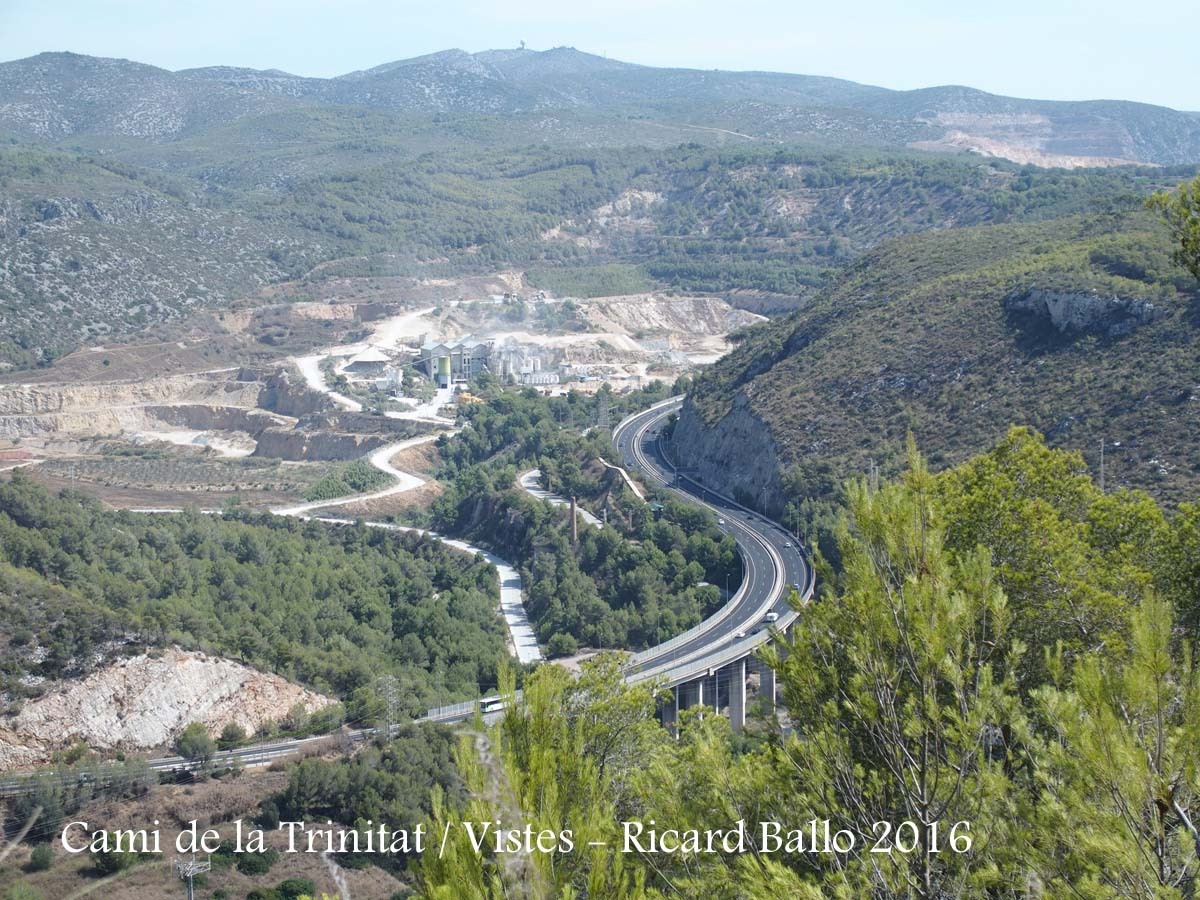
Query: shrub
x=41 y=859
x=268 y=815
x=231 y=735
x=293 y=888
x=257 y=863
x=296 y=718
x=562 y=644
x=109 y=863
x=194 y=744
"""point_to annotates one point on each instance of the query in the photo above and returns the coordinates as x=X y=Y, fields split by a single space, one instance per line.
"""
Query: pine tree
x=901 y=715
x=1118 y=773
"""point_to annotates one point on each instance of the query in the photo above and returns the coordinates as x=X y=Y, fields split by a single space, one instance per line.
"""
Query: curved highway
x=772 y=562
x=773 y=567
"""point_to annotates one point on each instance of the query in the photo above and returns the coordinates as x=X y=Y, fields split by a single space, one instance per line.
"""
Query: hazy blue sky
x=1058 y=49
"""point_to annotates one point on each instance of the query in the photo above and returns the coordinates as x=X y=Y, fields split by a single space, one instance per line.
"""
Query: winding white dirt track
x=522 y=637
x=380 y=459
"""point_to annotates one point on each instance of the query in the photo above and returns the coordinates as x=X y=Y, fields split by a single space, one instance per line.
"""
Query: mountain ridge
x=56 y=96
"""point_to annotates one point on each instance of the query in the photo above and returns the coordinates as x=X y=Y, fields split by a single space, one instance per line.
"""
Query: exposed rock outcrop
x=47 y=399
x=140 y=419
x=323 y=445
x=1081 y=313
x=201 y=401
x=736 y=455
x=143 y=702
x=220 y=418
x=654 y=314
x=282 y=394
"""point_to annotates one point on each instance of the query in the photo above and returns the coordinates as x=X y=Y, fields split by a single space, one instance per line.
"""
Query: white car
x=771 y=617
x=738 y=635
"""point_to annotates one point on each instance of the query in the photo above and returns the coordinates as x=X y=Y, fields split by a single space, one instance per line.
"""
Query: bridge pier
x=737 y=695
x=687 y=695
x=670 y=711
x=767 y=686
x=722 y=690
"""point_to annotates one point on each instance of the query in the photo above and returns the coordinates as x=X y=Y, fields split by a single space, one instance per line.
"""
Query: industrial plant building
x=454 y=362
x=448 y=363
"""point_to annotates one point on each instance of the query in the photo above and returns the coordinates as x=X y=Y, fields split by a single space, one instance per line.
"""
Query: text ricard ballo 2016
x=819 y=836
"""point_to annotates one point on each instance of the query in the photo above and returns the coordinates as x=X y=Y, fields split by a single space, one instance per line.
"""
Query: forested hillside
x=94 y=246
x=1080 y=327
x=142 y=195
x=334 y=608
x=584 y=98
x=996 y=691
x=639 y=580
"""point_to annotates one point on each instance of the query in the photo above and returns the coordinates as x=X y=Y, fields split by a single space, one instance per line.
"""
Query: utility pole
x=574 y=521
x=389 y=692
x=189 y=869
x=1102 y=465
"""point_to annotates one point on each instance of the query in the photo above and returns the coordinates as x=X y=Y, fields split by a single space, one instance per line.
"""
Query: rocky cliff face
x=653 y=314
x=302 y=445
x=282 y=394
x=192 y=401
x=1080 y=313
x=736 y=455
x=41 y=399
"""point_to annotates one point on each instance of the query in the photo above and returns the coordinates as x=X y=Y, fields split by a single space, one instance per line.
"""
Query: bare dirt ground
x=420 y=460
x=393 y=505
x=151 y=498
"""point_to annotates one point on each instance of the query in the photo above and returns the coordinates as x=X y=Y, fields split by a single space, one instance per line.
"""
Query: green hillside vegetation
x=393 y=783
x=1004 y=662
x=333 y=608
x=591 y=281
x=91 y=247
x=564 y=95
x=929 y=335
x=635 y=582
x=356 y=477
x=781 y=221
x=210 y=219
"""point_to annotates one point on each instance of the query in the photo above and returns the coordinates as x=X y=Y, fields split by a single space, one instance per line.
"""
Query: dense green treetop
x=333 y=607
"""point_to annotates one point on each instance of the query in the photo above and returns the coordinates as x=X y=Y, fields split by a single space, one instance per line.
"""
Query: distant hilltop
x=60 y=96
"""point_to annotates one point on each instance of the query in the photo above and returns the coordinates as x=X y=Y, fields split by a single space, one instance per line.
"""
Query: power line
x=188 y=870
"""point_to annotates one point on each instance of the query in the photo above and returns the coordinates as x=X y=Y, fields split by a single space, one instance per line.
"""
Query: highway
x=772 y=561
x=773 y=566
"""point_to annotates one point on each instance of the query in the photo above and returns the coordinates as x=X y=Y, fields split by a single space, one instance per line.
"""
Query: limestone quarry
x=255 y=405
x=142 y=703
